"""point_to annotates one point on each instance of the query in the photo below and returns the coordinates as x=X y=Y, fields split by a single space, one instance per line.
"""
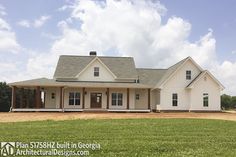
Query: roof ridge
x=179 y=62
x=94 y=56
x=150 y=69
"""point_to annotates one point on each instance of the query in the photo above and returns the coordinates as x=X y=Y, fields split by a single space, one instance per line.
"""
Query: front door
x=96 y=100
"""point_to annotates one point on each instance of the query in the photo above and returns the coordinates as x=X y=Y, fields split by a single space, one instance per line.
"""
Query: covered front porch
x=80 y=96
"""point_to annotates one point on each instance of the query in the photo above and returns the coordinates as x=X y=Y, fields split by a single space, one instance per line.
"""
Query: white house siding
x=132 y=98
x=205 y=86
x=88 y=73
x=49 y=102
x=124 y=92
x=177 y=84
x=142 y=103
x=66 y=97
x=155 y=98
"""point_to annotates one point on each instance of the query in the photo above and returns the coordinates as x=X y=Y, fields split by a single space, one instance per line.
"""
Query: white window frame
x=174 y=99
x=205 y=99
x=74 y=98
x=118 y=98
x=96 y=72
x=188 y=74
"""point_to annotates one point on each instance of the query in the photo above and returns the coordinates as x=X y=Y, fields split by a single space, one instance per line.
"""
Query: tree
x=233 y=101
x=226 y=101
x=5 y=97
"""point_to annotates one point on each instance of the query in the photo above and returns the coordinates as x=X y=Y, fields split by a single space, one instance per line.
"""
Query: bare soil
x=37 y=116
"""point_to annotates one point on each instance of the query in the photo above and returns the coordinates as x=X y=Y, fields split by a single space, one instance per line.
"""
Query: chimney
x=93 y=53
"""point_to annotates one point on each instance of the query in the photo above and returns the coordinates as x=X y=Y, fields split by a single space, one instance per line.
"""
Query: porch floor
x=76 y=110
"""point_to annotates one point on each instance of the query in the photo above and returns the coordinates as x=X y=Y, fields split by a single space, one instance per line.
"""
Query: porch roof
x=44 y=82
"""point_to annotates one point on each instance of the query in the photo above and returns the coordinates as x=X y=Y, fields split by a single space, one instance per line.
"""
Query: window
x=117 y=99
x=205 y=99
x=53 y=96
x=74 y=98
x=137 y=96
x=188 y=75
x=96 y=71
x=175 y=99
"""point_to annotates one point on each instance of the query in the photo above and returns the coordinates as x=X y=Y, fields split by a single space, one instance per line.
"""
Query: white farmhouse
x=102 y=83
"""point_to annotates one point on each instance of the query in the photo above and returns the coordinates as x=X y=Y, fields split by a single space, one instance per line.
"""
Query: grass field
x=133 y=137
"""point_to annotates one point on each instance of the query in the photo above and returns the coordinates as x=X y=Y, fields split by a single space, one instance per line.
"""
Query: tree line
x=5 y=97
x=227 y=101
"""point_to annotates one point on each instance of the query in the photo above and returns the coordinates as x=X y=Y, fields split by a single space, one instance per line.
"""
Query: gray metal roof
x=70 y=66
x=157 y=76
x=150 y=76
x=170 y=71
x=122 y=67
x=44 y=82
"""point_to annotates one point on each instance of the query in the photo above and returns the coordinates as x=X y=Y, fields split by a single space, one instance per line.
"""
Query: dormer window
x=96 y=71
x=188 y=75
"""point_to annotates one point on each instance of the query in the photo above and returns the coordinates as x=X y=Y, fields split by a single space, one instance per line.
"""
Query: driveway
x=36 y=116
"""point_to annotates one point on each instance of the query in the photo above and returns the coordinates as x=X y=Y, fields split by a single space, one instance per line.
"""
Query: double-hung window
x=96 y=71
x=74 y=98
x=117 y=99
x=205 y=99
x=174 y=99
x=188 y=75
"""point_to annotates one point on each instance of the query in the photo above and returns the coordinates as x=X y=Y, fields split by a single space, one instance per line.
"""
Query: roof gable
x=200 y=76
x=171 y=71
x=105 y=72
x=71 y=66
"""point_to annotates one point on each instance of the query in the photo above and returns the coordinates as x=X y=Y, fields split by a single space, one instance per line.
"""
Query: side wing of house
x=173 y=92
x=205 y=93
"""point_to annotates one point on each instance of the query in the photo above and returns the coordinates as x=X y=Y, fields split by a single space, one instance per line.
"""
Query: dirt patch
x=37 y=116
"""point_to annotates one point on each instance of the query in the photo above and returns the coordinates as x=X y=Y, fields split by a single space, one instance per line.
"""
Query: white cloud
x=4 y=25
x=132 y=28
x=41 y=21
x=2 y=10
x=63 y=8
x=41 y=65
x=8 y=41
x=37 y=23
x=233 y=52
x=24 y=23
x=49 y=36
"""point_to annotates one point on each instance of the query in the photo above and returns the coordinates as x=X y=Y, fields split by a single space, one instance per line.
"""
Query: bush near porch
x=133 y=137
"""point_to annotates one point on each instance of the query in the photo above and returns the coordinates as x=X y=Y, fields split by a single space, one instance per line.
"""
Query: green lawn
x=133 y=137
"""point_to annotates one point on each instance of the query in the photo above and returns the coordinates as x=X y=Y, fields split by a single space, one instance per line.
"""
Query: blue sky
x=204 y=14
x=42 y=30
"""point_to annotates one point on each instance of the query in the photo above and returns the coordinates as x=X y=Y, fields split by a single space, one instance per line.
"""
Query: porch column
x=83 y=98
x=127 y=98
x=149 y=105
x=61 y=88
x=63 y=97
x=38 y=97
x=44 y=97
x=108 y=95
x=13 y=97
